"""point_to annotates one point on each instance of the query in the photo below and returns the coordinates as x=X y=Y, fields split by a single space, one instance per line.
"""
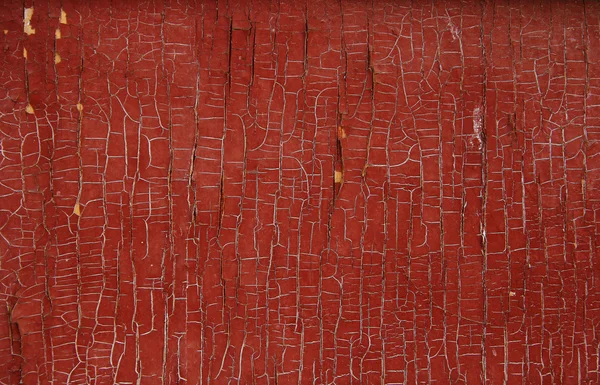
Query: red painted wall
x=299 y=193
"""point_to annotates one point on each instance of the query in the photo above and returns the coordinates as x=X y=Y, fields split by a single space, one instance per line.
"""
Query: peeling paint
x=27 y=28
x=217 y=247
x=477 y=127
x=77 y=209
x=339 y=177
x=63 y=16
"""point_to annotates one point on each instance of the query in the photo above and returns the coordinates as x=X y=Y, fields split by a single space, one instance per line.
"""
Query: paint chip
x=6 y=31
x=25 y=53
x=79 y=107
x=57 y=58
x=29 y=109
x=27 y=21
x=512 y=294
x=477 y=127
x=63 y=16
x=341 y=133
x=57 y=34
x=77 y=209
x=339 y=177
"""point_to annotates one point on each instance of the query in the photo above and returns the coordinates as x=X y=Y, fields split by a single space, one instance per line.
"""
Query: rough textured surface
x=282 y=193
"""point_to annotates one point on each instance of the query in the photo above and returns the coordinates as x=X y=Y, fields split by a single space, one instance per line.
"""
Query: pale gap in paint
x=27 y=21
x=63 y=16
x=339 y=177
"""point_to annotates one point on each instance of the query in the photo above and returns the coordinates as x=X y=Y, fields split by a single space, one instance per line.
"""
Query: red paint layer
x=300 y=193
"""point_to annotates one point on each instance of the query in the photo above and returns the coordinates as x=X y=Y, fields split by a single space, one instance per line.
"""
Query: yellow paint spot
x=79 y=107
x=512 y=294
x=27 y=21
x=77 y=209
x=342 y=133
x=339 y=177
x=29 y=109
x=25 y=53
x=63 y=16
x=57 y=34
x=57 y=58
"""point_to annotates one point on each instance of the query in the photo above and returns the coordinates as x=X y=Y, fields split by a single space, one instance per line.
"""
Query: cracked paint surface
x=308 y=193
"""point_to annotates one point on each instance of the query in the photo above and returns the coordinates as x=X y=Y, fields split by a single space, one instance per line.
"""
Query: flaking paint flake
x=77 y=209
x=63 y=16
x=27 y=28
x=339 y=177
